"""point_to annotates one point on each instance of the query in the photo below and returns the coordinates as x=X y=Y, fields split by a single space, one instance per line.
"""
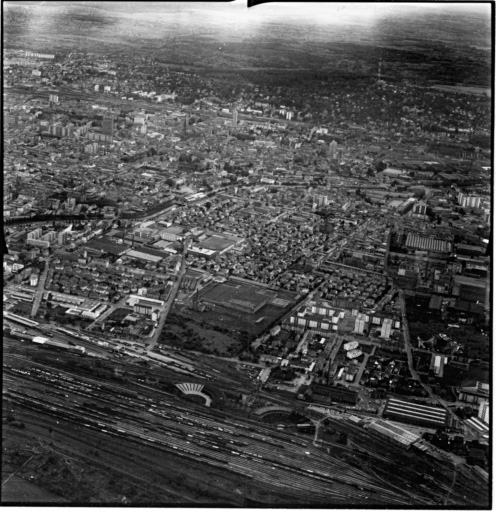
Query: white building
x=360 y=323
x=484 y=410
x=469 y=201
x=386 y=328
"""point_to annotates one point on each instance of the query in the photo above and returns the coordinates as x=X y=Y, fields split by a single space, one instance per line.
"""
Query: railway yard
x=126 y=415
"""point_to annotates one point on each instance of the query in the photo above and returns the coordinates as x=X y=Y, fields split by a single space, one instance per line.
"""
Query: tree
x=380 y=166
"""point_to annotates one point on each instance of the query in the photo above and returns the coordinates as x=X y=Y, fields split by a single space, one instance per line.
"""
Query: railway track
x=275 y=459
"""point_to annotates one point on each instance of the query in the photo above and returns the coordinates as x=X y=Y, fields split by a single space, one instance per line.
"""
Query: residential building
x=484 y=411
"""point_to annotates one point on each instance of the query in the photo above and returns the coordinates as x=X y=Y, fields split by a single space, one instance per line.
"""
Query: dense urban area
x=231 y=281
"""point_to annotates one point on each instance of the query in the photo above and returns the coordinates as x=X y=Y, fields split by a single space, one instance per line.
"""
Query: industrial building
x=415 y=413
x=428 y=244
x=394 y=433
x=328 y=394
x=469 y=288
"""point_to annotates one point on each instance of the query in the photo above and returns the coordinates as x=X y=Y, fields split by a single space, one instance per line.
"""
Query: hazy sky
x=339 y=12
x=236 y=19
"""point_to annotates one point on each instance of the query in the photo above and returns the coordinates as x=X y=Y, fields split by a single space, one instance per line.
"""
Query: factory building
x=415 y=413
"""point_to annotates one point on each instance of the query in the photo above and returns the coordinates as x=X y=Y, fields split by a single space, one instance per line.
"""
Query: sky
x=360 y=12
x=237 y=17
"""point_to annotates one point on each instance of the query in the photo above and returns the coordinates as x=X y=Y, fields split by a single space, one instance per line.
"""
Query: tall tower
x=235 y=117
x=333 y=146
x=108 y=125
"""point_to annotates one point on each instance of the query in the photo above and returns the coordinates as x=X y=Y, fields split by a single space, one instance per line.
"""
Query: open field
x=20 y=491
x=182 y=331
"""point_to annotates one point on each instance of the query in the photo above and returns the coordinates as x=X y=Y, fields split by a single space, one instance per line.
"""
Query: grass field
x=22 y=492
x=119 y=314
x=182 y=332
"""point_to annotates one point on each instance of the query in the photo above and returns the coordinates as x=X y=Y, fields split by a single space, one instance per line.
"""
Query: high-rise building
x=63 y=237
x=360 y=323
x=108 y=125
x=333 y=147
x=469 y=201
x=320 y=200
x=34 y=235
x=386 y=328
x=235 y=117
x=92 y=148
x=420 y=208
x=484 y=409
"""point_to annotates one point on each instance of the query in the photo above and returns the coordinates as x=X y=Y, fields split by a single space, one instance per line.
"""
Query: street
x=170 y=300
x=40 y=288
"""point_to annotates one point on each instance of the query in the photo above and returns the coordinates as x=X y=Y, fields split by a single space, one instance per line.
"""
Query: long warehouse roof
x=410 y=410
x=427 y=244
x=478 y=424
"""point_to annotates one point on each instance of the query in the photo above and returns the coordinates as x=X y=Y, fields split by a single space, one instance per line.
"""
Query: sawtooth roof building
x=415 y=413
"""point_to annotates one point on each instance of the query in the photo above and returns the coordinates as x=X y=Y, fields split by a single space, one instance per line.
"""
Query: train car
x=21 y=336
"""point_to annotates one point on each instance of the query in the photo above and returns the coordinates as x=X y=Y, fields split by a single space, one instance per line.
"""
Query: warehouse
x=423 y=243
x=140 y=255
x=415 y=413
x=326 y=394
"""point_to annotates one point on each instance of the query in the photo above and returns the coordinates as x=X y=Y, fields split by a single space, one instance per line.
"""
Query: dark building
x=325 y=394
x=108 y=125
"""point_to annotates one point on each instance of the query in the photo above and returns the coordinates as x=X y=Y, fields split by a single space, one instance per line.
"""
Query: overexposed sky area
x=344 y=12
